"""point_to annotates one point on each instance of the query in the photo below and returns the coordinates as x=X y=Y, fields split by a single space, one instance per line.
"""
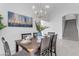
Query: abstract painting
x=16 y=20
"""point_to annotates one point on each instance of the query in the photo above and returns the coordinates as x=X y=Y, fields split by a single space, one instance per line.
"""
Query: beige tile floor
x=67 y=47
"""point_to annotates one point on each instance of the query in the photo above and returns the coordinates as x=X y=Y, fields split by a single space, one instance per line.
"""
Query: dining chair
x=6 y=47
x=23 y=36
x=44 y=49
x=52 y=46
x=8 y=52
x=51 y=33
x=35 y=34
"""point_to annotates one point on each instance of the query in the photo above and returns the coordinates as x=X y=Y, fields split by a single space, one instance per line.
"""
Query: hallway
x=69 y=44
x=70 y=30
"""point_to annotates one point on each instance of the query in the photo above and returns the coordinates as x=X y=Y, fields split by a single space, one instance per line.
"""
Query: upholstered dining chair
x=52 y=46
x=44 y=49
x=35 y=34
x=51 y=33
x=23 y=36
x=8 y=52
x=6 y=47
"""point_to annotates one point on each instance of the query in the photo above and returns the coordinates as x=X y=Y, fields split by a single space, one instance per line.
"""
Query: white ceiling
x=54 y=10
x=53 y=6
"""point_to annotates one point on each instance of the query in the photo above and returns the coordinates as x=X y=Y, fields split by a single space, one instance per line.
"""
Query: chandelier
x=40 y=11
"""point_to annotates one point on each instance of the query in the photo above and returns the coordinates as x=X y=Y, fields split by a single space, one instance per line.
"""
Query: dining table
x=30 y=47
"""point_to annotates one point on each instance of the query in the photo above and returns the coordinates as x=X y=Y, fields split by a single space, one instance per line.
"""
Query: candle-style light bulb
x=33 y=7
x=47 y=6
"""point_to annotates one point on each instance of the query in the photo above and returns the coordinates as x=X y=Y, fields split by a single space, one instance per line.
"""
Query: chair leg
x=55 y=51
x=51 y=53
x=55 y=54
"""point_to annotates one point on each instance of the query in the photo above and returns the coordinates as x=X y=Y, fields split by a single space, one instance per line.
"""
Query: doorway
x=70 y=30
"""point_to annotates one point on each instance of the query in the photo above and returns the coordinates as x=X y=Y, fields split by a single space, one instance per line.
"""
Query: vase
x=39 y=37
x=39 y=34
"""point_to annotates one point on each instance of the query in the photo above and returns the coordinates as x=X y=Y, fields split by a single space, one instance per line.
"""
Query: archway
x=70 y=30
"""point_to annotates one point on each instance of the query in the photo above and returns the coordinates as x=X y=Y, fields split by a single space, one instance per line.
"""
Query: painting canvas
x=16 y=20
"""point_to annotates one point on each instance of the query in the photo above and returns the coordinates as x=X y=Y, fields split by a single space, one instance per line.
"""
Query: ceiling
x=55 y=8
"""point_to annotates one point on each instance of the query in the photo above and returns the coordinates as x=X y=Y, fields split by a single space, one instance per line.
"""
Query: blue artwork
x=16 y=20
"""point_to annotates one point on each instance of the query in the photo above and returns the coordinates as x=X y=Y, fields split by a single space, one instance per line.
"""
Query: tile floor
x=67 y=47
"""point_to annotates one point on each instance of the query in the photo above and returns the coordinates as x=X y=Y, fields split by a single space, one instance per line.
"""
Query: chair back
x=51 y=33
x=35 y=34
x=6 y=47
x=44 y=50
x=54 y=40
x=52 y=45
x=3 y=40
x=23 y=36
x=51 y=41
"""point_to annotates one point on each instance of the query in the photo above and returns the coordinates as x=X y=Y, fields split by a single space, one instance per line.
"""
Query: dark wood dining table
x=29 y=47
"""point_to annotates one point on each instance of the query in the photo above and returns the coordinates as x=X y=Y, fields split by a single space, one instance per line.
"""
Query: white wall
x=13 y=33
x=58 y=11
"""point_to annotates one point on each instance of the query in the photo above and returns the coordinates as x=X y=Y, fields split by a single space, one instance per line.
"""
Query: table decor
x=40 y=28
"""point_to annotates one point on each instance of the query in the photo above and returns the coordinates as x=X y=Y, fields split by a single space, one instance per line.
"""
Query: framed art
x=16 y=20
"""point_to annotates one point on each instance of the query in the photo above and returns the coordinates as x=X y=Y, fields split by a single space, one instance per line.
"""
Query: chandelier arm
x=40 y=12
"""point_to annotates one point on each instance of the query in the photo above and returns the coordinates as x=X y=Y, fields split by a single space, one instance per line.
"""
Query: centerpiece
x=39 y=28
